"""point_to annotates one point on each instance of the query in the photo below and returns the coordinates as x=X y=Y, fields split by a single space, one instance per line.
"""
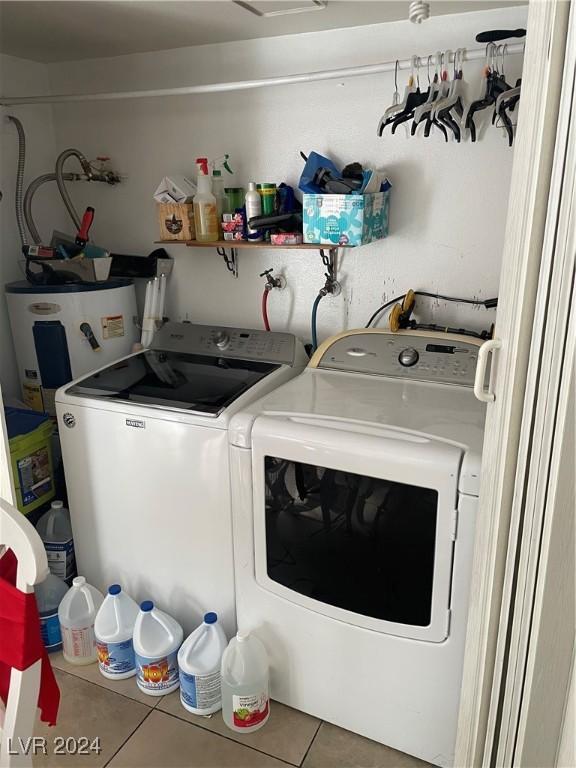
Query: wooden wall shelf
x=329 y=254
x=248 y=244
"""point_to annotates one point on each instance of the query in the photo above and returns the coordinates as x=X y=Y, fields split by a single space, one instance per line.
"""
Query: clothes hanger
x=506 y=102
x=482 y=91
x=443 y=88
x=446 y=83
x=433 y=89
x=395 y=107
x=410 y=91
x=455 y=100
x=496 y=84
x=414 y=100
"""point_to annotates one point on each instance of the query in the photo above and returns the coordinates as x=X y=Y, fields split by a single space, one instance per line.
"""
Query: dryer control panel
x=445 y=358
x=220 y=341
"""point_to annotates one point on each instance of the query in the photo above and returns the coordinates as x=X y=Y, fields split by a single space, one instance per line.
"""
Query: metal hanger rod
x=242 y=85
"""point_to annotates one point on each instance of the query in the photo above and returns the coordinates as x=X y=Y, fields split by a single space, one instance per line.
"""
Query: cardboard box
x=175 y=189
x=345 y=219
x=176 y=221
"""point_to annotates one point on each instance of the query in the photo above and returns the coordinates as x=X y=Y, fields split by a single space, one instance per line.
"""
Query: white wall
x=448 y=203
x=18 y=76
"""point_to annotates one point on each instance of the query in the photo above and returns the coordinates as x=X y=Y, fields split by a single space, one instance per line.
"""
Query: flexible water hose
x=265 y=308
x=317 y=301
x=86 y=168
x=20 y=179
x=31 y=191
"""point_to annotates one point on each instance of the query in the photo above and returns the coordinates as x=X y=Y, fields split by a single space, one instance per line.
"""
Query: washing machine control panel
x=242 y=343
x=445 y=358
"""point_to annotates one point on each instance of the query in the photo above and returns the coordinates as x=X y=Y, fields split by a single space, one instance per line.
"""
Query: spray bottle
x=205 y=213
x=218 y=187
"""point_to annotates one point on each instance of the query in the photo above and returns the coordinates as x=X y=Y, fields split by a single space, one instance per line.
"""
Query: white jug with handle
x=157 y=638
x=77 y=613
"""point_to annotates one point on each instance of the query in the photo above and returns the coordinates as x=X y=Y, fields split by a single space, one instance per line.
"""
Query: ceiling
x=69 y=30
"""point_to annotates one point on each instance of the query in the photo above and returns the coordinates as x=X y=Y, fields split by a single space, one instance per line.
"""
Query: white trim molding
x=529 y=193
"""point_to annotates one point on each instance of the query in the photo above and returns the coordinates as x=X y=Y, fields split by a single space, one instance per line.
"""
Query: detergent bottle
x=205 y=211
x=55 y=530
x=77 y=613
x=253 y=203
x=49 y=594
x=245 y=684
x=114 y=628
x=157 y=638
x=199 y=661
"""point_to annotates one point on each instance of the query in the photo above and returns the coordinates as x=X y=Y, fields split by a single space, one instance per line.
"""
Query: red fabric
x=21 y=641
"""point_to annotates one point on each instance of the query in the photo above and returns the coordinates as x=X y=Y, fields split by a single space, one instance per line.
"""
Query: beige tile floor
x=139 y=731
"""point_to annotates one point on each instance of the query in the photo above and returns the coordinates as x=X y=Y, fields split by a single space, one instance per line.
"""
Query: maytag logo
x=69 y=420
x=138 y=423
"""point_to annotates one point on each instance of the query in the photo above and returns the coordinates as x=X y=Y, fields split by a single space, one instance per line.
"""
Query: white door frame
x=534 y=656
x=527 y=213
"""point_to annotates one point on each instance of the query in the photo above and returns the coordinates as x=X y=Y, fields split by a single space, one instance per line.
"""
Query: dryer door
x=356 y=522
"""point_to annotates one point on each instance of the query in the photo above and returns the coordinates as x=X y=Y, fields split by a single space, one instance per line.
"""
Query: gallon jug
x=114 y=627
x=157 y=638
x=77 y=613
x=55 y=530
x=245 y=697
x=49 y=594
x=199 y=661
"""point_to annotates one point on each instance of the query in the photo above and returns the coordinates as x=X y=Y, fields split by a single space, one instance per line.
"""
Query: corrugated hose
x=86 y=168
x=20 y=179
x=31 y=191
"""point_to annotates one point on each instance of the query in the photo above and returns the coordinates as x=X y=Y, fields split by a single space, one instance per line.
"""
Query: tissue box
x=175 y=189
x=345 y=219
x=176 y=221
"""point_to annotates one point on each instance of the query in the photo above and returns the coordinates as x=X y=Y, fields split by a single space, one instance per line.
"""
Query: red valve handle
x=87 y=219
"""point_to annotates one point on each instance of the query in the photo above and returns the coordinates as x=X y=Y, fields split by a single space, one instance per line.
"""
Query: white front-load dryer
x=354 y=497
x=145 y=450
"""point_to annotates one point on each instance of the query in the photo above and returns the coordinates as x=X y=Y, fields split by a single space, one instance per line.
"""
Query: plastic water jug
x=77 y=613
x=55 y=530
x=199 y=661
x=157 y=638
x=245 y=684
x=49 y=594
x=114 y=627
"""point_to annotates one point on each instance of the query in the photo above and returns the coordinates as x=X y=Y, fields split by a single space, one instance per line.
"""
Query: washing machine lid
x=185 y=381
x=444 y=412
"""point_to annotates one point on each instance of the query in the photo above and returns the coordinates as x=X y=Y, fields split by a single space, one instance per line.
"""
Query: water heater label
x=112 y=326
x=44 y=308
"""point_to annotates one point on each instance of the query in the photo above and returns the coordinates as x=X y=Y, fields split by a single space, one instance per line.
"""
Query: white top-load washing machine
x=145 y=450
x=354 y=497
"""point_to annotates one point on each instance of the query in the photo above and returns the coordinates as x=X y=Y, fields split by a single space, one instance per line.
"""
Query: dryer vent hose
x=20 y=179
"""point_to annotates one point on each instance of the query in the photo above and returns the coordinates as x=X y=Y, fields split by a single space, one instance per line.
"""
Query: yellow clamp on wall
x=400 y=314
